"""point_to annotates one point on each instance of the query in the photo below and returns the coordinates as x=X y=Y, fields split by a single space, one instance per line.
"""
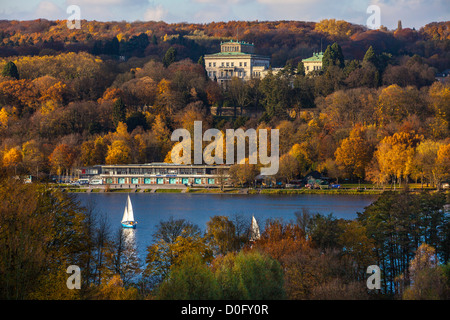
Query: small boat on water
x=254 y=230
x=128 y=216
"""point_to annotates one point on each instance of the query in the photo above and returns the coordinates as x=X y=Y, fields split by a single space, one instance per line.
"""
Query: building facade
x=313 y=63
x=235 y=59
x=164 y=174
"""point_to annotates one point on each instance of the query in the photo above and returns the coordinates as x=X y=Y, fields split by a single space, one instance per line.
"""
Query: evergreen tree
x=10 y=70
x=333 y=56
x=201 y=61
x=370 y=56
x=170 y=56
x=119 y=111
x=154 y=40
x=301 y=68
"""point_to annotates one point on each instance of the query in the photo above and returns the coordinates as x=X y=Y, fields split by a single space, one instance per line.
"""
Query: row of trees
x=282 y=40
x=314 y=257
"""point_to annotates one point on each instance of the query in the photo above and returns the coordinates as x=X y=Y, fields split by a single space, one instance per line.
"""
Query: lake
x=150 y=208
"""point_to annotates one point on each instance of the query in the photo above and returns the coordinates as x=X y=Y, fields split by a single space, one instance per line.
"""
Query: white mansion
x=236 y=59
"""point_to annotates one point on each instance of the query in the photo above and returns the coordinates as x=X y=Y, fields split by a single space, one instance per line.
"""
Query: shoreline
x=342 y=191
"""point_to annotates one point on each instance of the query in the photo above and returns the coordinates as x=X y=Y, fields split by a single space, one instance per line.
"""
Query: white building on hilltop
x=236 y=59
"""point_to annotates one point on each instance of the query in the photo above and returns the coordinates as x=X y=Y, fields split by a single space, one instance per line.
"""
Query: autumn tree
x=42 y=233
x=11 y=159
x=192 y=279
x=335 y=28
x=118 y=153
x=395 y=154
x=62 y=158
x=300 y=151
x=33 y=157
x=221 y=234
x=428 y=281
x=281 y=239
x=93 y=152
x=289 y=167
x=173 y=240
x=354 y=153
x=243 y=174
x=114 y=289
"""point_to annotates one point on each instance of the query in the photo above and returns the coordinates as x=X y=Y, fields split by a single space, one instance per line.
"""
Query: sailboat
x=128 y=216
x=254 y=231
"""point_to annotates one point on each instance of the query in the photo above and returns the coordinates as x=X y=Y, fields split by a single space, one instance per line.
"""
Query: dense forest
x=112 y=92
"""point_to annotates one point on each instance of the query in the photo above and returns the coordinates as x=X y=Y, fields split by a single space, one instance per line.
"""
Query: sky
x=412 y=13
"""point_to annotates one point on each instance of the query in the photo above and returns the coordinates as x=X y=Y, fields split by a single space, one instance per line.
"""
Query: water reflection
x=129 y=237
x=151 y=208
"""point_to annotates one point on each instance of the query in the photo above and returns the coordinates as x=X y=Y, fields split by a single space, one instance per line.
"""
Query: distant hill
x=282 y=40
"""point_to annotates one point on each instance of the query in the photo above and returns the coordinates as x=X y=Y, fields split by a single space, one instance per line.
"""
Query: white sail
x=130 y=210
x=128 y=215
x=125 y=215
x=255 y=235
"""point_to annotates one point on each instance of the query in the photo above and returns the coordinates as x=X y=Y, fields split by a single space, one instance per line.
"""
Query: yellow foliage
x=11 y=157
x=118 y=153
x=114 y=290
x=337 y=28
x=4 y=116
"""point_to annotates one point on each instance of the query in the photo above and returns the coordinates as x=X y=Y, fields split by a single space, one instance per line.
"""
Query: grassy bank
x=314 y=191
x=215 y=190
x=168 y=190
x=355 y=191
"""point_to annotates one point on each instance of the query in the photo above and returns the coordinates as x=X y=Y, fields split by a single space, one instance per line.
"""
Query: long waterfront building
x=160 y=174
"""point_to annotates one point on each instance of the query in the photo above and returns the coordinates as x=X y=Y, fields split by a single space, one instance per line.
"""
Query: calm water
x=150 y=208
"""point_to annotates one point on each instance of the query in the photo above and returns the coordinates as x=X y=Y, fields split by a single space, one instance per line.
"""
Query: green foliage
x=301 y=69
x=250 y=276
x=324 y=231
x=221 y=234
x=173 y=240
x=333 y=56
x=370 y=56
x=392 y=223
x=10 y=70
x=170 y=56
x=191 y=280
x=42 y=233
x=119 y=112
